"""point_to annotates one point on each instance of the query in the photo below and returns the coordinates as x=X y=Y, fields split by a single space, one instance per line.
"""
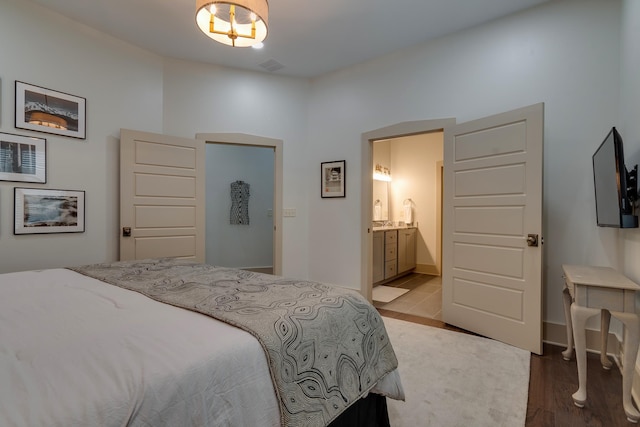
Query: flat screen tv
x=615 y=186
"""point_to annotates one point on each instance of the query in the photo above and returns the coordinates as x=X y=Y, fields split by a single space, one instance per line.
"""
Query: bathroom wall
x=415 y=168
x=382 y=189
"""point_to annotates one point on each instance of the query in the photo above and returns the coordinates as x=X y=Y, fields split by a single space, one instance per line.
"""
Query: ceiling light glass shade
x=238 y=23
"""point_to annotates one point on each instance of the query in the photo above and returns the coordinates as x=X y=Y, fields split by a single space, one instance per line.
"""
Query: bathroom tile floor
x=424 y=298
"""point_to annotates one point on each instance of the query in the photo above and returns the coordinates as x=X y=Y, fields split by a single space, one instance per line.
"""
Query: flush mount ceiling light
x=237 y=23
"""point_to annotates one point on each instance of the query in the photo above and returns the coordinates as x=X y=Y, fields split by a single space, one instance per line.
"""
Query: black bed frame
x=370 y=411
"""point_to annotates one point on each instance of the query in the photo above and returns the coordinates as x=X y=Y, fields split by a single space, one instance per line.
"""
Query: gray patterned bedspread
x=326 y=346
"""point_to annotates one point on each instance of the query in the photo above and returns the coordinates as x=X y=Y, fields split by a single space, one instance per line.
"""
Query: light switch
x=289 y=212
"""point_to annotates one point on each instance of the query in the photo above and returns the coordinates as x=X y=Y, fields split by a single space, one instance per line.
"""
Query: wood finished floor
x=553 y=380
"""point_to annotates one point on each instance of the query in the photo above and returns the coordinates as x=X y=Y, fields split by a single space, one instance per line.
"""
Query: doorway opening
x=408 y=204
x=424 y=298
x=239 y=206
x=274 y=146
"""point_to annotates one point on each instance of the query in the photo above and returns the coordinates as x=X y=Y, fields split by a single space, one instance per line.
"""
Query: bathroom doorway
x=413 y=171
x=408 y=170
x=425 y=191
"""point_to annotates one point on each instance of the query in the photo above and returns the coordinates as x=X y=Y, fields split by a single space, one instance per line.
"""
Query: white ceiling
x=307 y=37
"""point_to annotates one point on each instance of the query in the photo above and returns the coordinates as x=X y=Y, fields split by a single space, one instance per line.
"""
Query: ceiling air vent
x=272 y=65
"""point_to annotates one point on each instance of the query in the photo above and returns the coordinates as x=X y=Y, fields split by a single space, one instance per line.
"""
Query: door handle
x=532 y=240
x=126 y=231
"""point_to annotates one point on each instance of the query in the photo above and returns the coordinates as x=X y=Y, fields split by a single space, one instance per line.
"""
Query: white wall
x=628 y=253
x=625 y=244
x=123 y=89
x=200 y=98
x=234 y=245
x=565 y=54
x=126 y=87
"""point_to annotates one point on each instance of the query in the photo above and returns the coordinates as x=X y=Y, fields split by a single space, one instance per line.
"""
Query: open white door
x=492 y=269
x=162 y=196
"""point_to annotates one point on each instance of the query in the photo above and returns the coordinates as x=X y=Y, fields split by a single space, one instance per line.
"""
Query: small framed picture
x=38 y=211
x=23 y=158
x=46 y=110
x=333 y=179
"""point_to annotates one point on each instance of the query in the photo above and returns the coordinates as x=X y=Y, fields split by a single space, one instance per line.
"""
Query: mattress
x=75 y=351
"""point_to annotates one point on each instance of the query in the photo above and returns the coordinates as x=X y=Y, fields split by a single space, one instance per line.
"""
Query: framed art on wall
x=46 y=110
x=38 y=211
x=23 y=158
x=333 y=179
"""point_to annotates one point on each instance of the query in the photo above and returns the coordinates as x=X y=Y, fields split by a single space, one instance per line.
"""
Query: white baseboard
x=555 y=333
x=427 y=269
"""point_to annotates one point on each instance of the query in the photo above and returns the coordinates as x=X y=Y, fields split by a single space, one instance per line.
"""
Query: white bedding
x=75 y=351
x=72 y=351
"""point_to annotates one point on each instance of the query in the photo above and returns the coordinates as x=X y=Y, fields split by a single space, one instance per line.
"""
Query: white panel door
x=492 y=272
x=162 y=197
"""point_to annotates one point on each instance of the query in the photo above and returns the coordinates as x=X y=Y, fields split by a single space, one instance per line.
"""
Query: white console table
x=601 y=290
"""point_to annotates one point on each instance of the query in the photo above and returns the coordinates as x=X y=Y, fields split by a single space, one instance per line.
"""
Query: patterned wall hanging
x=239 y=203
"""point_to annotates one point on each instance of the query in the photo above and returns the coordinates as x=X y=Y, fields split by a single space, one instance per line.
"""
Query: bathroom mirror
x=380 y=200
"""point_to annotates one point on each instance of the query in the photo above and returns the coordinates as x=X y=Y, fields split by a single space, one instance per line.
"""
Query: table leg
x=631 y=339
x=579 y=317
x=605 y=319
x=566 y=298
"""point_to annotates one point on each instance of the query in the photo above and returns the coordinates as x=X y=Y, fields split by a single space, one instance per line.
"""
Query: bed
x=169 y=342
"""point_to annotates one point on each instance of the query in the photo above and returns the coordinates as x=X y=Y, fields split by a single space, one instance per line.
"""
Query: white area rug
x=453 y=379
x=387 y=293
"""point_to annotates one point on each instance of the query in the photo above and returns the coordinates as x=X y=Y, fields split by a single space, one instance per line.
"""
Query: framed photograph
x=333 y=179
x=23 y=158
x=39 y=211
x=46 y=110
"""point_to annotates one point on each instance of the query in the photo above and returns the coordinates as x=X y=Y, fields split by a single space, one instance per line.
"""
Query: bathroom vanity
x=394 y=252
